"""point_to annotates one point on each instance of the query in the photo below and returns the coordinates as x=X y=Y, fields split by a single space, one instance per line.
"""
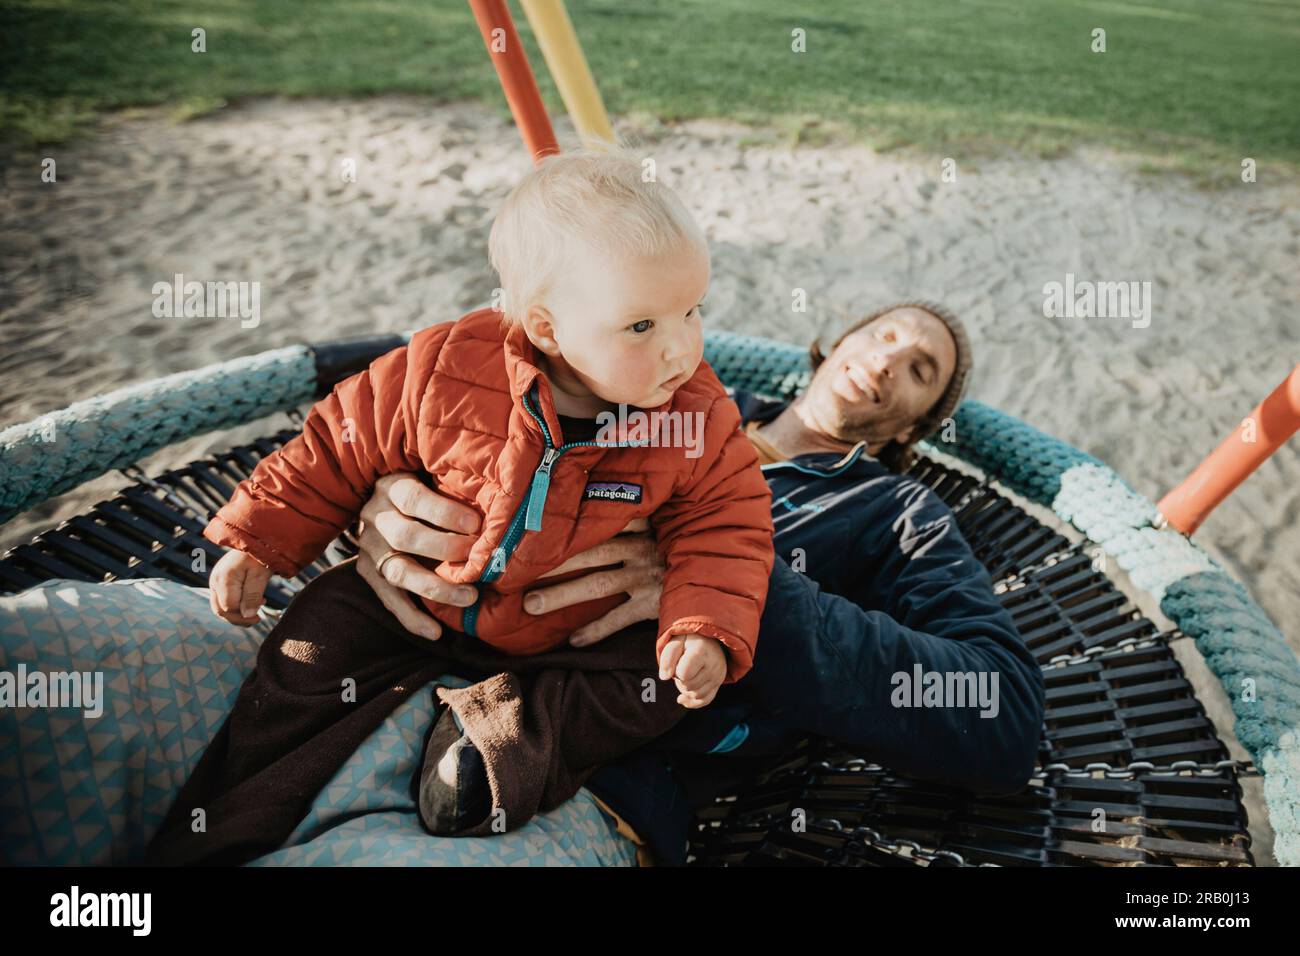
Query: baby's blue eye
x=642 y=326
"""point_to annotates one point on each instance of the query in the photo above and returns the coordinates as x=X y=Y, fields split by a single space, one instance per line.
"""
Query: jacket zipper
x=528 y=516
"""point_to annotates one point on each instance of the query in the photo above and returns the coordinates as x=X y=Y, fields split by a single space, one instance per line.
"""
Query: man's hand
x=698 y=666
x=406 y=516
x=237 y=587
x=640 y=577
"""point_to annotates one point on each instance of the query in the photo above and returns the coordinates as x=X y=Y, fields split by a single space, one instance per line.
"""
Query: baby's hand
x=698 y=666
x=237 y=587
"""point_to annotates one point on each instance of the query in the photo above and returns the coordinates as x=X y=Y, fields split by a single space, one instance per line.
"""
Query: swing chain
x=1021 y=576
x=901 y=847
x=865 y=837
x=1205 y=768
x=1129 y=643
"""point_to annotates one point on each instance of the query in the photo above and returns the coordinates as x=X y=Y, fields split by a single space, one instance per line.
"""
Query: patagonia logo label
x=613 y=491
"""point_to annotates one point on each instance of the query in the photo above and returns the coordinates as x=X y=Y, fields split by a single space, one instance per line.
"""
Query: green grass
x=1194 y=84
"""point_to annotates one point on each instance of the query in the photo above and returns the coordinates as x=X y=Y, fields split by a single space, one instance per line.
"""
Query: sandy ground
x=254 y=193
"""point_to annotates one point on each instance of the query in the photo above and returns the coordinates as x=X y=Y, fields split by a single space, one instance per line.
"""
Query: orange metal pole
x=511 y=63
x=1273 y=421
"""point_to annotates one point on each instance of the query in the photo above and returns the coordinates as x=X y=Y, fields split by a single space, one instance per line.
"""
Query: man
x=873 y=585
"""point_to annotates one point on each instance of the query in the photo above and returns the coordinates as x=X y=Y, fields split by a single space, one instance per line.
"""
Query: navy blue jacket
x=872 y=579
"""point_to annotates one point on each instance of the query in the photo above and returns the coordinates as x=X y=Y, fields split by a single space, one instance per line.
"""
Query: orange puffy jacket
x=466 y=403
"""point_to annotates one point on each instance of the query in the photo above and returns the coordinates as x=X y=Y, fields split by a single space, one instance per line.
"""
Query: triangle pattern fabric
x=90 y=785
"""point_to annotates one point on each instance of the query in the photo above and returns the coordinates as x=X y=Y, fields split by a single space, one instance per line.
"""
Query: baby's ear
x=539 y=326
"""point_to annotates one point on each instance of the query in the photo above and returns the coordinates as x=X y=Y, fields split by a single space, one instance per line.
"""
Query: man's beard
x=853 y=432
x=848 y=424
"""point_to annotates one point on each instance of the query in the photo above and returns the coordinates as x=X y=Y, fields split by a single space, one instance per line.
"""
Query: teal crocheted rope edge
x=757 y=365
x=61 y=450
x=1261 y=677
x=1242 y=647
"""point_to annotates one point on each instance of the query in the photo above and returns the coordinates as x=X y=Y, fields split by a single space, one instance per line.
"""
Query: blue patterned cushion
x=78 y=789
x=366 y=816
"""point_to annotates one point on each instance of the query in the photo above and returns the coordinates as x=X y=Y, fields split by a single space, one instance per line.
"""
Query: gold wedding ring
x=379 y=565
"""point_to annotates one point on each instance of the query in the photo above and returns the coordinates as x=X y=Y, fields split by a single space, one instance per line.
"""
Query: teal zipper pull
x=537 y=491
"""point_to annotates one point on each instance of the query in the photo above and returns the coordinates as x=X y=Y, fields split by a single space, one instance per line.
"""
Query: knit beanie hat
x=931 y=421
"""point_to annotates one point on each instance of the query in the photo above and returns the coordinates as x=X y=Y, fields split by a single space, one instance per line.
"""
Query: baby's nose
x=676 y=351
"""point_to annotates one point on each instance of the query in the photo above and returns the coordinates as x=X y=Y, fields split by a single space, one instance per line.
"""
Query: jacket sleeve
x=716 y=539
x=303 y=496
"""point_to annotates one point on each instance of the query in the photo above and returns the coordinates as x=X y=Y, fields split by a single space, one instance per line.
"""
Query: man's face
x=625 y=331
x=882 y=378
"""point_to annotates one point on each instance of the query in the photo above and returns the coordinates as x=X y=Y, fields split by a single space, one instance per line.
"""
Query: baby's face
x=628 y=331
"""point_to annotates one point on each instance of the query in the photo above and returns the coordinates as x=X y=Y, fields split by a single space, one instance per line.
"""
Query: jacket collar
x=523 y=370
x=756 y=408
x=522 y=363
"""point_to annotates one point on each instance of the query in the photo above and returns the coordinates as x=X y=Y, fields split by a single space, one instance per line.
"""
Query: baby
x=524 y=413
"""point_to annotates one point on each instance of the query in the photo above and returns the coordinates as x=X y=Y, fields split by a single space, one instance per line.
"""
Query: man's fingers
x=403 y=608
x=392 y=531
x=622 y=616
x=415 y=621
x=409 y=574
x=414 y=499
x=596 y=585
x=614 y=551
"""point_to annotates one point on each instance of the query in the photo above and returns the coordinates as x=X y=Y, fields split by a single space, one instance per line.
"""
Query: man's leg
x=826 y=666
x=731 y=724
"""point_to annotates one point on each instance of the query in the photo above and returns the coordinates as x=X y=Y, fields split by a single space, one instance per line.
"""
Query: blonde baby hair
x=602 y=197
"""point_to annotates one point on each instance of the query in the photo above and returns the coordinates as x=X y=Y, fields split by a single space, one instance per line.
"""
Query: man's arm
x=937 y=615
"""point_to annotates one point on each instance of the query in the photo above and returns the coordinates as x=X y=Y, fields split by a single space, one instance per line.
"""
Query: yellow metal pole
x=563 y=55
